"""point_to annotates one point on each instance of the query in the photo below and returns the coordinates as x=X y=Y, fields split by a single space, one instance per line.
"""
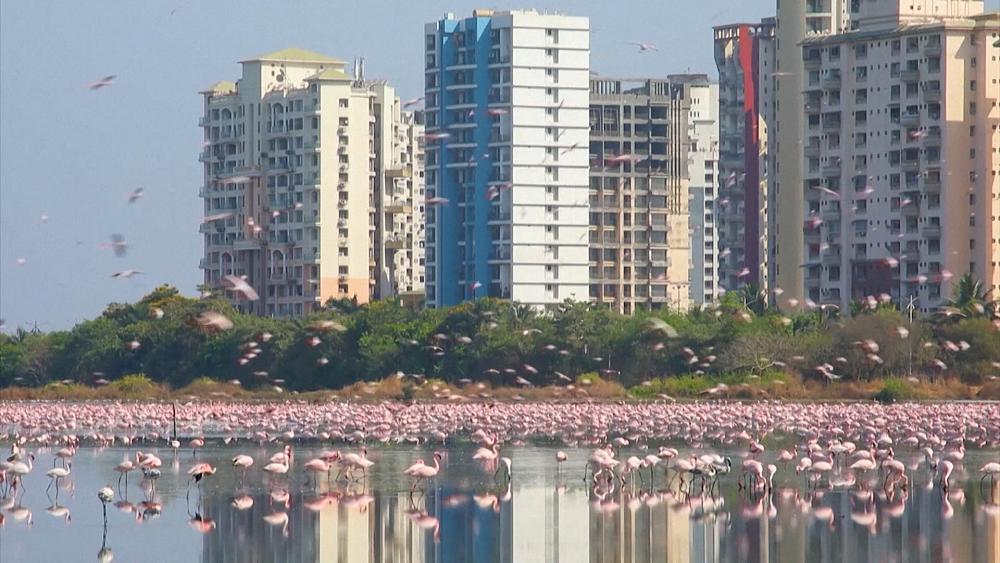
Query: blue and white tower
x=507 y=97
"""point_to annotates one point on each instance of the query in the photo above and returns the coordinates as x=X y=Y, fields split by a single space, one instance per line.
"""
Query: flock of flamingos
x=861 y=446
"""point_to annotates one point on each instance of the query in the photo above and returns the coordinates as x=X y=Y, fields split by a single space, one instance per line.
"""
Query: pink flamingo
x=421 y=471
x=243 y=462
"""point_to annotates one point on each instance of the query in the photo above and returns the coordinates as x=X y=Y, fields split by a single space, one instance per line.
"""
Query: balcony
x=398 y=206
x=496 y=215
x=909 y=120
x=932 y=137
x=831 y=125
x=932 y=95
x=831 y=258
x=932 y=183
x=931 y=231
x=932 y=48
x=206 y=156
x=731 y=161
x=831 y=83
x=910 y=166
x=395 y=243
x=812 y=151
x=909 y=75
x=831 y=170
x=203 y=121
x=399 y=171
x=831 y=214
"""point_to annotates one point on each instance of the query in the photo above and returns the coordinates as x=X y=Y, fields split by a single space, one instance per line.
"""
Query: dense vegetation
x=499 y=343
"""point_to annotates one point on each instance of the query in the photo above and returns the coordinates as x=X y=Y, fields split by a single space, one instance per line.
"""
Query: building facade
x=639 y=243
x=744 y=55
x=703 y=172
x=313 y=185
x=794 y=22
x=507 y=168
x=900 y=157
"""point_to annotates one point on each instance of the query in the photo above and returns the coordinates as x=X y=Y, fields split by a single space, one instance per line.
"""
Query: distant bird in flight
x=437 y=201
x=413 y=102
x=135 y=195
x=106 y=81
x=217 y=217
x=125 y=274
x=118 y=245
x=644 y=47
x=239 y=285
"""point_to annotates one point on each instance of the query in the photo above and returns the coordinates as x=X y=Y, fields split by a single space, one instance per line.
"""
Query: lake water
x=548 y=514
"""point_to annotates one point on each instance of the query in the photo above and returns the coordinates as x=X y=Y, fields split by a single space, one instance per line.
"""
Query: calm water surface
x=547 y=514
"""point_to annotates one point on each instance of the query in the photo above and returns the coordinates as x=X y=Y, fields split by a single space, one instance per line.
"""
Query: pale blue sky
x=75 y=154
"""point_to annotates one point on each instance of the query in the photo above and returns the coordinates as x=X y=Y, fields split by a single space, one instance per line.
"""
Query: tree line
x=164 y=336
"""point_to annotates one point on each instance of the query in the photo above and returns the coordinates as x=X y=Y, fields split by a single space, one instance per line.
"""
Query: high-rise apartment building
x=703 y=168
x=795 y=21
x=744 y=55
x=900 y=157
x=639 y=244
x=313 y=185
x=507 y=166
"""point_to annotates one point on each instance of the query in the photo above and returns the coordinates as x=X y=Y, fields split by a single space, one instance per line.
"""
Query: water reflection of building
x=548 y=525
x=245 y=537
x=471 y=532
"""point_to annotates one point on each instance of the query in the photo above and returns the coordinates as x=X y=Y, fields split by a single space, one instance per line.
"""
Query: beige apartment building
x=639 y=242
x=901 y=153
x=313 y=185
x=795 y=20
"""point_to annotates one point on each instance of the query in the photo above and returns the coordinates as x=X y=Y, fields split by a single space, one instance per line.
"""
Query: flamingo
x=57 y=473
x=317 y=466
x=358 y=461
x=945 y=469
x=505 y=465
x=864 y=465
x=277 y=468
x=195 y=444
x=421 y=471
x=242 y=462
x=105 y=495
x=990 y=470
x=19 y=469
x=123 y=469
x=199 y=472
x=64 y=454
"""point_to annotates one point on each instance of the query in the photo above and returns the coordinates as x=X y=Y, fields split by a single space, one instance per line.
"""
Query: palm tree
x=754 y=299
x=971 y=297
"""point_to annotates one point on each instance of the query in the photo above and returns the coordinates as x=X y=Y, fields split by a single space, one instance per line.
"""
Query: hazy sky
x=74 y=155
